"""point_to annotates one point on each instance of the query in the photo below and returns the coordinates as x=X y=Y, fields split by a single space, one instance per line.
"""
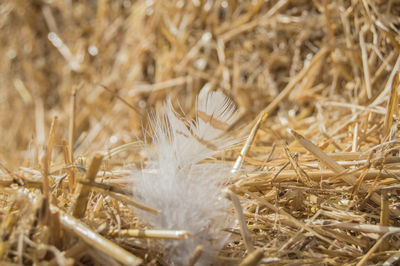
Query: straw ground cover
x=315 y=180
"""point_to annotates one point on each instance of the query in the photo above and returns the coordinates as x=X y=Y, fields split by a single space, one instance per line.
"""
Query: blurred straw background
x=79 y=78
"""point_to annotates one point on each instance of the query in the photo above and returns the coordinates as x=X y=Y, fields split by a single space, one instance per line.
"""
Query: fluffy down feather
x=188 y=192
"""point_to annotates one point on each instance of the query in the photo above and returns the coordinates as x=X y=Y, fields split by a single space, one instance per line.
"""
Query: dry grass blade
x=287 y=215
x=252 y=24
x=196 y=255
x=95 y=240
x=73 y=252
x=367 y=228
x=127 y=199
x=249 y=141
x=70 y=171
x=159 y=234
x=293 y=82
x=253 y=258
x=112 y=152
x=392 y=105
x=45 y=173
x=50 y=144
x=332 y=164
x=392 y=259
x=384 y=216
x=121 y=99
x=389 y=84
x=242 y=221
x=378 y=243
x=364 y=57
x=82 y=199
x=299 y=171
x=71 y=128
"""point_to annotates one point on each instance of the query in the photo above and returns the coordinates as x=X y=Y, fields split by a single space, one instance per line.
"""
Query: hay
x=317 y=81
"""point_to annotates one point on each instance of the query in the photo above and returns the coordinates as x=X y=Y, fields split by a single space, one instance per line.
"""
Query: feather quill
x=188 y=193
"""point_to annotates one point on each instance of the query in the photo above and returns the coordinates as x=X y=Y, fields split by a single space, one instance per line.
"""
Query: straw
x=79 y=81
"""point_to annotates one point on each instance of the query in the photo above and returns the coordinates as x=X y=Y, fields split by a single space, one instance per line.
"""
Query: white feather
x=188 y=192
